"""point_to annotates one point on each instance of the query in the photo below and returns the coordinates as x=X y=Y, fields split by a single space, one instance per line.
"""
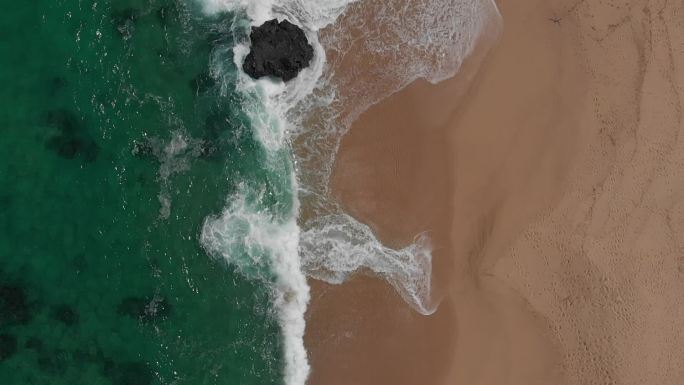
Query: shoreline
x=436 y=179
x=553 y=193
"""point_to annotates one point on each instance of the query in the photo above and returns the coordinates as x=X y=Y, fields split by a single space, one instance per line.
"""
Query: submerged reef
x=279 y=49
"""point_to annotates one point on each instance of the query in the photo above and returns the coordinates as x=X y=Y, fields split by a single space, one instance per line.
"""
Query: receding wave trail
x=364 y=51
x=376 y=49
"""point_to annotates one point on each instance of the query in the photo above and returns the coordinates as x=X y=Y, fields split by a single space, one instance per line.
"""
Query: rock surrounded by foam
x=279 y=49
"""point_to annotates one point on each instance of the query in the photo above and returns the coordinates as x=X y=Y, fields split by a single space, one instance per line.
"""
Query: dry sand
x=552 y=189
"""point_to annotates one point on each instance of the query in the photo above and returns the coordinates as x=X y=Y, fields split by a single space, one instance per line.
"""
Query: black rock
x=8 y=346
x=279 y=49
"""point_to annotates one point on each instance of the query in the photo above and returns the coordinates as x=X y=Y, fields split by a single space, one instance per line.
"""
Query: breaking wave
x=299 y=125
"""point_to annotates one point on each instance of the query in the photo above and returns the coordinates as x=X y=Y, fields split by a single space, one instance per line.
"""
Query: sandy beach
x=550 y=184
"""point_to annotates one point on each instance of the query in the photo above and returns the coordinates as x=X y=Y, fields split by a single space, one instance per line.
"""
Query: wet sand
x=551 y=186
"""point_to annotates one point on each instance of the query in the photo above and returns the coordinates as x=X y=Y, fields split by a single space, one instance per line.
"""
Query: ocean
x=151 y=194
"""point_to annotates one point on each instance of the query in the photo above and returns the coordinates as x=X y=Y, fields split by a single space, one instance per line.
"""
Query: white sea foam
x=337 y=245
x=395 y=42
x=263 y=245
x=312 y=14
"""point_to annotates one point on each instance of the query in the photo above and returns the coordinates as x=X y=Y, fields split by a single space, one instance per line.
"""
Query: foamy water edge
x=332 y=246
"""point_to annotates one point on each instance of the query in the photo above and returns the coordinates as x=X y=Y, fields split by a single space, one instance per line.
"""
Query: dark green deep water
x=97 y=284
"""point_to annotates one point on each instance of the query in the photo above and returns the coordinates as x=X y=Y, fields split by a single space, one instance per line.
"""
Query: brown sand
x=553 y=193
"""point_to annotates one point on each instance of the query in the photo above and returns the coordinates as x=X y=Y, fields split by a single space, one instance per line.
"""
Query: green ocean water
x=116 y=142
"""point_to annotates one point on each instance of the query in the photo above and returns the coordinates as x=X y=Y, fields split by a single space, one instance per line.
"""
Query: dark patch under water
x=65 y=314
x=8 y=346
x=14 y=305
x=57 y=84
x=73 y=139
x=34 y=343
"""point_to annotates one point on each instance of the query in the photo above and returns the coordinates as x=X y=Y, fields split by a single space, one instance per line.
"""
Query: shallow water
x=117 y=142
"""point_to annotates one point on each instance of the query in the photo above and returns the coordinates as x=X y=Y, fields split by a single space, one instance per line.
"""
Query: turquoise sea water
x=116 y=142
